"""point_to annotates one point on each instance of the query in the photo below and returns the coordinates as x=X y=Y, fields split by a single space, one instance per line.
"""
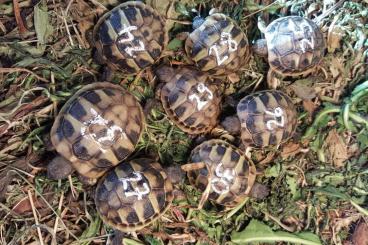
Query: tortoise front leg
x=196 y=166
x=272 y=80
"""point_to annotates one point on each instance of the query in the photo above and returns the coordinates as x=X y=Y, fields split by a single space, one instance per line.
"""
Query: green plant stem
x=360 y=209
x=311 y=131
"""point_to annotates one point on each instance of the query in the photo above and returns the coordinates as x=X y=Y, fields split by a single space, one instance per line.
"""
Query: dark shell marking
x=217 y=38
x=97 y=128
x=130 y=37
x=295 y=45
x=190 y=100
x=133 y=195
x=261 y=124
x=226 y=160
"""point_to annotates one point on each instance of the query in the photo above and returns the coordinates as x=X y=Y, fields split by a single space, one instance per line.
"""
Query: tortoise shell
x=229 y=172
x=133 y=194
x=130 y=37
x=97 y=128
x=295 y=45
x=268 y=118
x=218 y=46
x=189 y=98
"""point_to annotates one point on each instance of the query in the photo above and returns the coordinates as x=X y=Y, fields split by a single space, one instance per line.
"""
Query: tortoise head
x=165 y=73
x=197 y=22
x=260 y=47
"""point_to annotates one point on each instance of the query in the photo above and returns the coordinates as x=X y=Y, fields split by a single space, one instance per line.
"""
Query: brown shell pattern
x=268 y=118
x=190 y=100
x=218 y=46
x=133 y=194
x=230 y=170
x=97 y=128
x=130 y=37
x=295 y=45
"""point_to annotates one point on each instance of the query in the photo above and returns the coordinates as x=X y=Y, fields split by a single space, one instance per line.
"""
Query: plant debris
x=317 y=182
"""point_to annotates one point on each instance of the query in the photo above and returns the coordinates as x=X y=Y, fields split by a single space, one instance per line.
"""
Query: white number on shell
x=225 y=177
x=226 y=39
x=137 y=192
x=277 y=113
x=202 y=89
x=303 y=30
x=130 y=50
x=111 y=131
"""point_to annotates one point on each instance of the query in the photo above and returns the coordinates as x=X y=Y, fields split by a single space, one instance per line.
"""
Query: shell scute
x=189 y=98
x=133 y=194
x=230 y=171
x=97 y=128
x=268 y=118
x=130 y=37
x=295 y=45
x=215 y=44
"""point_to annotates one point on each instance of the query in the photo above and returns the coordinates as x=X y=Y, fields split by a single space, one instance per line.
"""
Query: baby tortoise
x=130 y=37
x=133 y=195
x=217 y=45
x=294 y=46
x=266 y=118
x=189 y=98
x=97 y=128
x=223 y=173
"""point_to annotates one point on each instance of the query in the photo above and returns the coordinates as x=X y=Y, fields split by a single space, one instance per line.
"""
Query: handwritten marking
x=226 y=39
x=224 y=177
x=110 y=131
x=301 y=30
x=201 y=89
x=278 y=113
x=137 y=192
x=129 y=50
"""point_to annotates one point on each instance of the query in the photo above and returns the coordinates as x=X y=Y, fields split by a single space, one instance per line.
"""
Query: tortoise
x=267 y=119
x=294 y=46
x=190 y=98
x=97 y=128
x=217 y=45
x=223 y=173
x=133 y=194
x=130 y=37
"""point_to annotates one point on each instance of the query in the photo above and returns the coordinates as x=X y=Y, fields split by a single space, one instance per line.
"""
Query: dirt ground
x=317 y=181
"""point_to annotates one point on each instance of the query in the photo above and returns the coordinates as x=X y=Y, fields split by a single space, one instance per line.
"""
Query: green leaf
x=42 y=24
x=175 y=44
x=293 y=186
x=257 y=231
x=332 y=192
x=273 y=171
x=181 y=9
x=127 y=241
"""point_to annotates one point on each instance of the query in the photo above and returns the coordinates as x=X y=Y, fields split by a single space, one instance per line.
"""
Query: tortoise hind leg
x=272 y=80
x=59 y=168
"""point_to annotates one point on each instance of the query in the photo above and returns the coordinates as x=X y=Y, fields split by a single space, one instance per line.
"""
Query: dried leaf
x=18 y=17
x=42 y=24
x=334 y=37
x=360 y=235
x=290 y=149
x=24 y=205
x=309 y=106
x=336 y=148
x=303 y=89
